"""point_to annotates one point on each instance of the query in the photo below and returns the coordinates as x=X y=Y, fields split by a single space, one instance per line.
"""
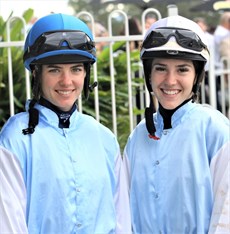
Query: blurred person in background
x=100 y=31
x=149 y=20
x=221 y=33
x=224 y=51
x=210 y=40
x=134 y=28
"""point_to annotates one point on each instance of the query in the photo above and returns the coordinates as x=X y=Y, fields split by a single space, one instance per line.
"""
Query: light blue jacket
x=73 y=178
x=180 y=183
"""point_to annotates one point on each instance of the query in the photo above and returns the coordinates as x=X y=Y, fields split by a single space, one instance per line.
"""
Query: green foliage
x=18 y=72
x=121 y=87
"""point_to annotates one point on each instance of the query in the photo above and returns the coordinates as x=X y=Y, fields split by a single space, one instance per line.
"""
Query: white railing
x=224 y=74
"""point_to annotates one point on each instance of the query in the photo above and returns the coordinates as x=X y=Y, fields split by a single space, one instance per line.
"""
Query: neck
x=167 y=114
x=62 y=115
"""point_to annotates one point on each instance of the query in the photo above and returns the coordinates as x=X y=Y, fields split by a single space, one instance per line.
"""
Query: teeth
x=171 y=92
x=64 y=92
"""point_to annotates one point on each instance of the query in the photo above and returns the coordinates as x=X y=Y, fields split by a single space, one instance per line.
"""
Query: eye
x=183 y=69
x=159 y=68
x=77 y=69
x=53 y=70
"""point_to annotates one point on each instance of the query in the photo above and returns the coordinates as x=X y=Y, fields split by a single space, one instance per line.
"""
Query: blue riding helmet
x=59 y=38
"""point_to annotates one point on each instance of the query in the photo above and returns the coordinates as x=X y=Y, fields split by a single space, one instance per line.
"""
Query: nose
x=170 y=78
x=65 y=78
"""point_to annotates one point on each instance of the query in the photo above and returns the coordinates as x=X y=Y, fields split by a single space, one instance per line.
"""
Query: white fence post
x=10 y=68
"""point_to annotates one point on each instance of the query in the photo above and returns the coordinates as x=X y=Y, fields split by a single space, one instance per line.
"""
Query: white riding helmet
x=178 y=37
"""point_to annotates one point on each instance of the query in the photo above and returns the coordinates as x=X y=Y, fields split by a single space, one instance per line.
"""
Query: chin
x=170 y=106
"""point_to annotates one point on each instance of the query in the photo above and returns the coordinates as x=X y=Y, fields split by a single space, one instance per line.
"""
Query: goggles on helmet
x=185 y=38
x=51 y=41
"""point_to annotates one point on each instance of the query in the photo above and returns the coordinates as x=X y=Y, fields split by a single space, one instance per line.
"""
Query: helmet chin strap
x=149 y=120
x=33 y=118
x=36 y=91
x=88 y=87
x=92 y=86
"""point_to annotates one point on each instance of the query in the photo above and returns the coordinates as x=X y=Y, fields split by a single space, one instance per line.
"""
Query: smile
x=171 y=92
x=66 y=92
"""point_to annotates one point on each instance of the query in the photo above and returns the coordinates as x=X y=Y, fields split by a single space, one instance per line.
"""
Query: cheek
x=192 y=80
x=188 y=84
x=44 y=89
x=47 y=83
x=79 y=82
x=43 y=85
x=153 y=80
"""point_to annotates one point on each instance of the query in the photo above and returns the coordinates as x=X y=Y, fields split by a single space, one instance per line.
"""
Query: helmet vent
x=172 y=52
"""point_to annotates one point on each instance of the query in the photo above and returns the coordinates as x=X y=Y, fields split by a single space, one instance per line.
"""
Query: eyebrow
x=60 y=66
x=185 y=65
x=52 y=66
x=180 y=65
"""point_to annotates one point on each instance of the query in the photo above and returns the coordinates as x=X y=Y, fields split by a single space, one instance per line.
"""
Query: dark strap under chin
x=33 y=119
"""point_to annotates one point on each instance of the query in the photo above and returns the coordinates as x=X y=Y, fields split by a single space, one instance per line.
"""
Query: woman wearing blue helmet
x=62 y=170
x=178 y=159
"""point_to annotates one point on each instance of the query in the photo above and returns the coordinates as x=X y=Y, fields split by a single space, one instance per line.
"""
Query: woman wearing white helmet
x=61 y=170
x=178 y=158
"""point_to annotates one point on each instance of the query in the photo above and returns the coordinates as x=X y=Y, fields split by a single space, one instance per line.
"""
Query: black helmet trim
x=174 y=54
x=63 y=59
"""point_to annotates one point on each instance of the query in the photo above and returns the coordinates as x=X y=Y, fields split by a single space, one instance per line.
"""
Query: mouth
x=171 y=91
x=65 y=92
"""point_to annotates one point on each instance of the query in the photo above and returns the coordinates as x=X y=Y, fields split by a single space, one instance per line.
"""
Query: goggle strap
x=161 y=36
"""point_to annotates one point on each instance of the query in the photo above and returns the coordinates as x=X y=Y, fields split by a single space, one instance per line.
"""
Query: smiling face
x=62 y=84
x=172 y=81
